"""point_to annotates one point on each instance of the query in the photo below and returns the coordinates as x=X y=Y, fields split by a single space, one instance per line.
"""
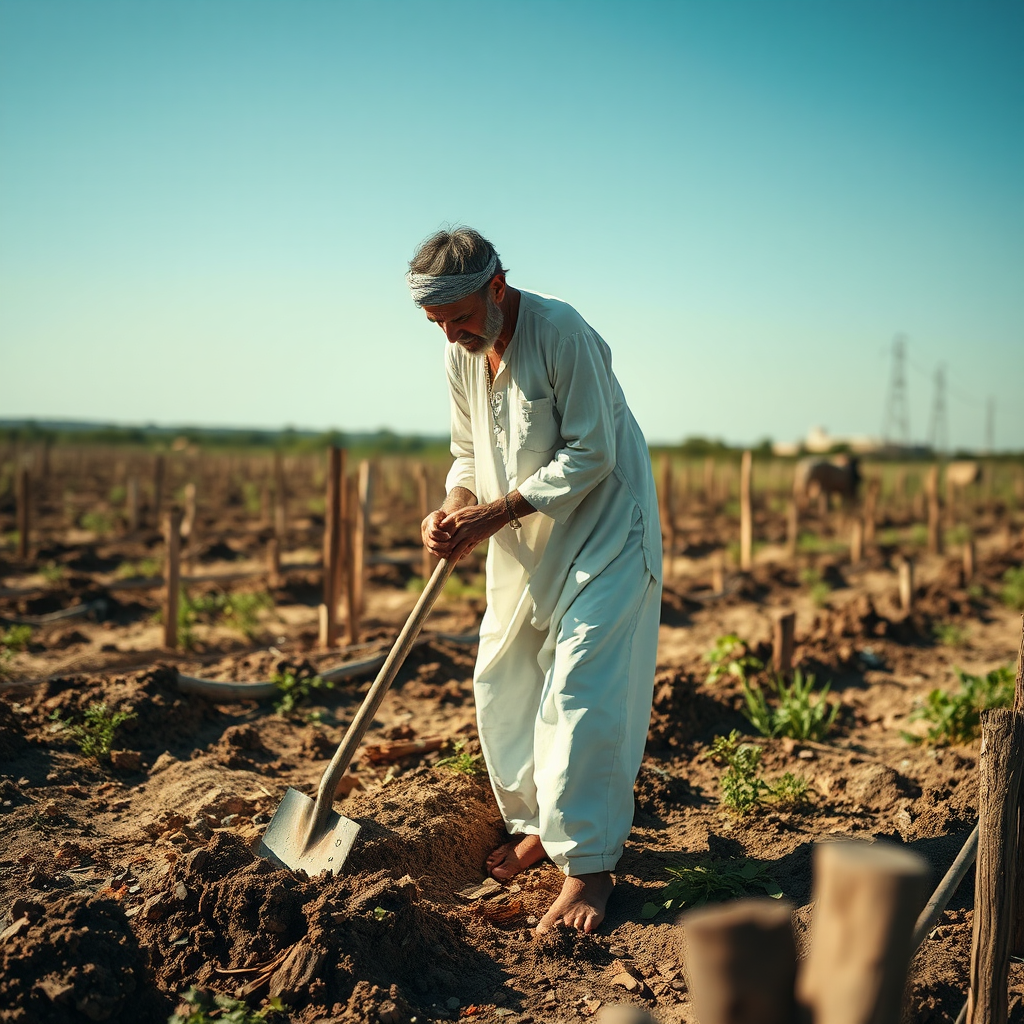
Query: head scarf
x=428 y=290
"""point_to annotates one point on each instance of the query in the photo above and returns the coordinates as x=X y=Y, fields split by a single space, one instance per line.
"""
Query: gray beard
x=494 y=321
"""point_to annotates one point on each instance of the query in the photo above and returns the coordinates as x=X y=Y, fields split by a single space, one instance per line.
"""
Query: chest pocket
x=536 y=430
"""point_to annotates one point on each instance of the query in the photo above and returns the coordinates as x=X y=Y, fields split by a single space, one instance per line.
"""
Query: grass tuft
x=955 y=717
x=94 y=734
x=800 y=713
x=712 y=882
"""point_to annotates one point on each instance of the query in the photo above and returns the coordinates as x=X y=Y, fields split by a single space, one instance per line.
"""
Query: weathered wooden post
x=784 y=642
x=132 y=501
x=856 y=541
x=746 y=514
x=906 y=580
x=158 y=487
x=934 y=512
x=172 y=577
x=1018 y=709
x=968 y=560
x=741 y=962
x=871 y=511
x=351 y=505
x=332 y=546
x=273 y=562
x=280 y=498
x=709 y=483
x=718 y=572
x=361 y=543
x=899 y=487
x=24 y=511
x=792 y=528
x=866 y=901
x=1000 y=765
x=423 y=482
x=668 y=519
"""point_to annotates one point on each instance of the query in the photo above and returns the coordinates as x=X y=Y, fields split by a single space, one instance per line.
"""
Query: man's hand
x=435 y=538
x=467 y=527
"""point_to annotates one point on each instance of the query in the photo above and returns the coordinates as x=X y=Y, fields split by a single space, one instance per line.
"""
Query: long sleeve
x=585 y=400
x=463 y=471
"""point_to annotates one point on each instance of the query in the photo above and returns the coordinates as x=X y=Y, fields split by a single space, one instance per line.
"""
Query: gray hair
x=450 y=265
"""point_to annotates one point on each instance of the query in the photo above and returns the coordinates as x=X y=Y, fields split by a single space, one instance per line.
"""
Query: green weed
x=99 y=523
x=53 y=573
x=817 y=585
x=812 y=544
x=949 y=634
x=729 y=658
x=16 y=638
x=919 y=535
x=94 y=735
x=214 y=1008
x=957 y=535
x=956 y=717
x=242 y=610
x=800 y=712
x=712 y=882
x=117 y=494
x=146 y=567
x=1013 y=588
x=742 y=784
x=462 y=761
x=295 y=690
x=251 y=498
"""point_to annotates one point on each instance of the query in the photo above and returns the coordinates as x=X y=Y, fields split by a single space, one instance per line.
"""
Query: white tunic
x=562 y=434
x=569 y=639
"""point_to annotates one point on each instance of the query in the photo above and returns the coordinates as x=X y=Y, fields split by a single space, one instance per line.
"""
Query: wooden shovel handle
x=364 y=716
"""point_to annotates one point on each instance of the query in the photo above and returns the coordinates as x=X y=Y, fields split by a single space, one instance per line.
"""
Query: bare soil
x=125 y=882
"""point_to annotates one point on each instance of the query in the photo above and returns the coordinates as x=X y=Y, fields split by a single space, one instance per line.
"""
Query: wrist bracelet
x=512 y=520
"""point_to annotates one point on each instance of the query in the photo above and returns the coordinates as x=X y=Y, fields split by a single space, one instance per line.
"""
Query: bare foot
x=511 y=858
x=580 y=904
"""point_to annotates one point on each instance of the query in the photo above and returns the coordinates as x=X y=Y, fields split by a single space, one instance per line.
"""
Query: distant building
x=819 y=442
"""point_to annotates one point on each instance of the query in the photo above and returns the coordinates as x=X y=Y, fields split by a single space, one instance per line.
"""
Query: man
x=552 y=467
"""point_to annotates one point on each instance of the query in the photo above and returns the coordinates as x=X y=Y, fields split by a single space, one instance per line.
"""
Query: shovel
x=310 y=834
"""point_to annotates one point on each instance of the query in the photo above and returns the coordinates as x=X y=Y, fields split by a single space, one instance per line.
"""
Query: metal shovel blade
x=289 y=842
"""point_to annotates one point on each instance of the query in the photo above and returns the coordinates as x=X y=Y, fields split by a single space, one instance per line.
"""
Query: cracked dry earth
x=125 y=883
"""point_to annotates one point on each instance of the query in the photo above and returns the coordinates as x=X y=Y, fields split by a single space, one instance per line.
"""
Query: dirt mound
x=71 y=959
x=310 y=941
x=686 y=712
x=163 y=714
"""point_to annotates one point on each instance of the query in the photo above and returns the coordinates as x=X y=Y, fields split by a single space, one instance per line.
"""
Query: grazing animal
x=963 y=474
x=826 y=477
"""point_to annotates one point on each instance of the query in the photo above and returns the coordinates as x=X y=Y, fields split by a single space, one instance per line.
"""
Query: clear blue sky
x=206 y=208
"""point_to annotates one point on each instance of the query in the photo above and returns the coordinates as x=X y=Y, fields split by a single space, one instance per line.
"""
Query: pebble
x=452 y=1003
x=532 y=921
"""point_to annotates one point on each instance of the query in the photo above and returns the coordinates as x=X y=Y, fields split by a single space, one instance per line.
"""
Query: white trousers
x=563 y=716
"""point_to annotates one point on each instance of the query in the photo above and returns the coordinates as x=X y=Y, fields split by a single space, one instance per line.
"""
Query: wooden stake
x=856 y=541
x=741 y=962
x=132 y=501
x=1018 y=708
x=172 y=577
x=427 y=564
x=746 y=514
x=158 y=487
x=24 y=511
x=968 y=555
x=792 y=527
x=785 y=640
x=709 y=482
x=273 y=562
x=332 y=545
x=906 y=573
x=718 y=572
x=668 y=519
x=280 y=497
x=934 y=512
x=361 y=542
x=866 y=901
x=1000 y=765
x=871 y=511
x=351 y=599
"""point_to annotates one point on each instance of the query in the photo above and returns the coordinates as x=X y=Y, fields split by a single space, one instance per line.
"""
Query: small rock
x=126 y=760
x=14 y=930
x=76 y=791
x=452 y=1003
x=24 y=782
x=228 y=820
x=155 y=907
x=550 y=998
x=532 y=920
x=51 y=810
x=180 y=891
x=618 y=951
x=57 y=990
x=626 y=981
x=165 y=760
